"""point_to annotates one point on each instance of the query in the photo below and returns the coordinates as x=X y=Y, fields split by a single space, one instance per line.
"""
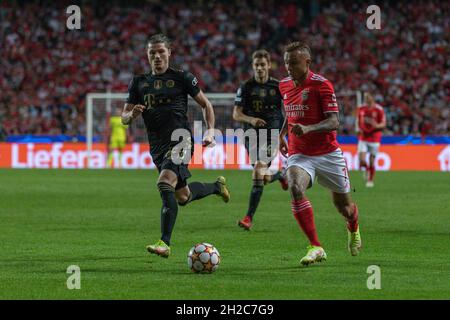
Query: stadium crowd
x=46 y=69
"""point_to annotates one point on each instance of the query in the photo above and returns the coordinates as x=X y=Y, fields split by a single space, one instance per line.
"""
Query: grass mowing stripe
x=101 y=220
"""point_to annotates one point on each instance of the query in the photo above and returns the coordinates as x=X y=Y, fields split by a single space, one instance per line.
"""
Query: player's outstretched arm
x=130 y=112
x=208 y=116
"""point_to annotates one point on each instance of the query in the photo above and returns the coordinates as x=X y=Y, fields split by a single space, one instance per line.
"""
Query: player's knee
x=183 y=199
x=183 y=202
x=297 y=192
x=163 y=179
x=165 y=189
x=260 y=170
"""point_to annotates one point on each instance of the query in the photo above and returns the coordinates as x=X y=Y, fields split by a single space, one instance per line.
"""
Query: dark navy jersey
x=261 y=100
x=165 y=97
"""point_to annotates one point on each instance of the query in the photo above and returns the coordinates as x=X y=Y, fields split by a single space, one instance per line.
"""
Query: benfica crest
x=305 y=94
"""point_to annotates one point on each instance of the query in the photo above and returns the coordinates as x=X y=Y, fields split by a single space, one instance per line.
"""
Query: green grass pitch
x=102 y=221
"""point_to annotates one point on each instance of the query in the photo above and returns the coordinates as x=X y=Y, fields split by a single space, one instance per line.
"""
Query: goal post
x=99 y=105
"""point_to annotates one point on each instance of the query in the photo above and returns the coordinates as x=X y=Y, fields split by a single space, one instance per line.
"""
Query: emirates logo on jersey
x=305 y=94
x=296 y=110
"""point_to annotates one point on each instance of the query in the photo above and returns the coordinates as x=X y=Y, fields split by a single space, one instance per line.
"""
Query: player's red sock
x=303 y=213
x=371 y=172
x=352 y=225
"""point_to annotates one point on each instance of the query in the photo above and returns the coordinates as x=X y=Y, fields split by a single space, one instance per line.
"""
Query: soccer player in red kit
x=371 y=121
x=311 y=122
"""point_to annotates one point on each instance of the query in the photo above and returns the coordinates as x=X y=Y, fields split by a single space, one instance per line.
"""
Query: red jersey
x=367 y=116
x=307 y=103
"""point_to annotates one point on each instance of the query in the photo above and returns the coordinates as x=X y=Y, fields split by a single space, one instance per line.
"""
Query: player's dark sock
x=200 y=190
x=255 y=197
x=276 y=176
x=169 y=210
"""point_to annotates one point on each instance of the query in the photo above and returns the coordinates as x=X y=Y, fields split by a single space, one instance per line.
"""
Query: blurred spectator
x=46 y=70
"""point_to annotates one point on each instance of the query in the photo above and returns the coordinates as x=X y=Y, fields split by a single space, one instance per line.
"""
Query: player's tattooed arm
x=281 y=141
x=238 y=115
x=130 y=112
x=208 y=116
x=284 y=128
x=331 y=123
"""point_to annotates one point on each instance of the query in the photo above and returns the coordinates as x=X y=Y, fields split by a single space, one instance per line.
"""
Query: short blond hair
x=297 y=45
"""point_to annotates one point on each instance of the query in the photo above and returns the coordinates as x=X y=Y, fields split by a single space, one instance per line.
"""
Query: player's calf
x=183 y=199
x=297 y=192
x=350 y=214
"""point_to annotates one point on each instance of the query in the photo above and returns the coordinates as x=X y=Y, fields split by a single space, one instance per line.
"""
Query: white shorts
x=370 y=147
x=330 y=169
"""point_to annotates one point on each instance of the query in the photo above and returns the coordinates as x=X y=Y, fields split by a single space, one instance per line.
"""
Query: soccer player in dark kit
x=258 y=105
x=161 y=97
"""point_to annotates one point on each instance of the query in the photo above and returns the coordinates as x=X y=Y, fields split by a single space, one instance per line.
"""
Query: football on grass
x=203 y=258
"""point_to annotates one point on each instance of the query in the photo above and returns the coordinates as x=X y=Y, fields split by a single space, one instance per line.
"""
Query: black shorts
x=163 y=161
x=261 y=150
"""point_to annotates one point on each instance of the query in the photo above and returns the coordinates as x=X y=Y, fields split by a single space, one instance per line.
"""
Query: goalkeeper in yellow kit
x=117 y=137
